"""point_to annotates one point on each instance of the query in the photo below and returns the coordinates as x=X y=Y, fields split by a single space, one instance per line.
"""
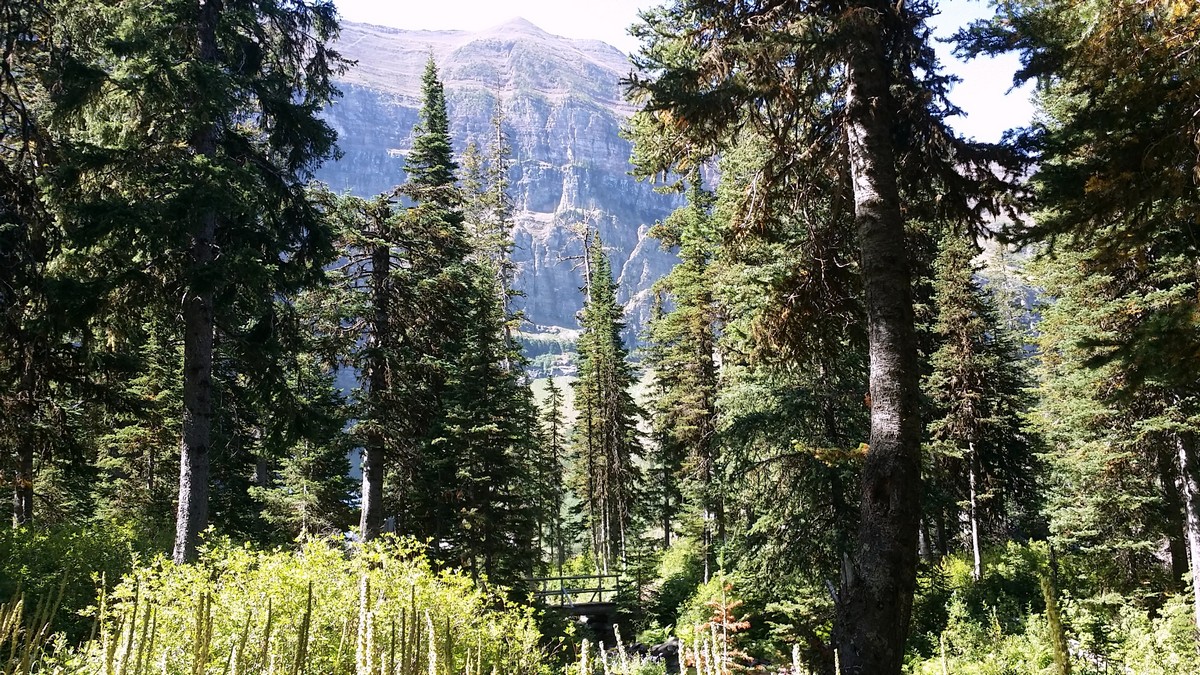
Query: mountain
x=563 y=109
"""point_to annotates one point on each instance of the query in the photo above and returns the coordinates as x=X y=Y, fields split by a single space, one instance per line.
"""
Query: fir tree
x=606 y=440
x=682 y=359
x=977 y=389
x=713 y=68
x=226 y=147
x=550 y=467
x=1117 y=187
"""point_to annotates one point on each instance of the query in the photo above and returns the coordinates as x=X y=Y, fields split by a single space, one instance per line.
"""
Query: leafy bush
x=36 y=561
x=680 y=572
x=318 y=610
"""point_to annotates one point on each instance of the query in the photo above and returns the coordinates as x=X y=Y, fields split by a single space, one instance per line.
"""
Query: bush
x=317 y=610
x=35 y=562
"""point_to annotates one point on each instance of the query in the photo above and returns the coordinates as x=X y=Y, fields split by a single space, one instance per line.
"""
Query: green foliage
x=680 y=572
x=981 y=458
x=685 y=461
x=315 y=610
x=35 y=561
x=1157 y=645
x=606 y=439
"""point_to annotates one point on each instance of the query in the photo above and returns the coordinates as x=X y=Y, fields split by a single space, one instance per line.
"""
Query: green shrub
x=317 y=610
x=36 y=561
x=680 y=571
x=1164 y=645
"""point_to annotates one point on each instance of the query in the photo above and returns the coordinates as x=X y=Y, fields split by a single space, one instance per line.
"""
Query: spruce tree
x=711 y=69
x=1117 y=202
x=605 y=441
x=682 y=360
x=977 y=389
x=190 y=147
x=550 y=469
x=38 y=350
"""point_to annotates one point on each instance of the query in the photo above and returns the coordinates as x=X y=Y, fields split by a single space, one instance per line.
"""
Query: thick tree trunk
x=191 y=518
x=1190 y=481
x=875 y=601
x=1168 y=476
x=371 y=522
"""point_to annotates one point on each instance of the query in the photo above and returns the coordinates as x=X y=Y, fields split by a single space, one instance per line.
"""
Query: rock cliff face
x=563 y=110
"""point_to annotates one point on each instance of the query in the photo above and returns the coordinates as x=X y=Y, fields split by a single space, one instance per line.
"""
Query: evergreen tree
x=605 y=440
x=1117 y=185
x=682 y=359
x=369 y=295
x=1106 y=450
x=215 y=113
x=138 y=459
x=484 y=438
x=977 y=389
x=712 y=68
x=550 y=469
x=38 y=351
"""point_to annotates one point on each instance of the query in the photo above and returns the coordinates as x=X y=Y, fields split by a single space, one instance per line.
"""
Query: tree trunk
x=22 y=501
x=1186 y=443
x=875 y=601
x=192 y=517
x=370 y=524
x=198 y=328
x=1176 y=525
x=977 y=570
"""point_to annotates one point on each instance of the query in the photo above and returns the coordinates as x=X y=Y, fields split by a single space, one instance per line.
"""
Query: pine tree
x=605 y=440
x=222 y=133
x=369 y=295
x=682 y=359
x=977 y=389
x=1104 y=496
x=484 y=439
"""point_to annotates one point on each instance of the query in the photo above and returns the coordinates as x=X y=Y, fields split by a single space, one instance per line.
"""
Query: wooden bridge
x=574 y=591
x=591 y=600
x=579 y=595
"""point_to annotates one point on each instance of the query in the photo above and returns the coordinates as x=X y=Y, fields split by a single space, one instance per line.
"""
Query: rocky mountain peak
x=564 y=110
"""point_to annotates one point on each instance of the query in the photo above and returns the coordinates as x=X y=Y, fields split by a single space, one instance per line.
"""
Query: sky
x=983 y=94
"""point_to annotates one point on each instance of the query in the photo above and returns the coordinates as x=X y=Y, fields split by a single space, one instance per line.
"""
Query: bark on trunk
x=371 y=522
x=23 y=485
x=1168 y=476
x=1190 y=482
x=977 y=571
x=22 y=502
x=191 y=518
x=875 y=601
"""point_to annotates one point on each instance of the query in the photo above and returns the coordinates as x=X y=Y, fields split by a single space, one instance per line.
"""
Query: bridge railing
x=569 y=591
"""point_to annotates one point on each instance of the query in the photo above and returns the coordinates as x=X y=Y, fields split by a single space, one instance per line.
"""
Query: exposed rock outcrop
x=563 y=109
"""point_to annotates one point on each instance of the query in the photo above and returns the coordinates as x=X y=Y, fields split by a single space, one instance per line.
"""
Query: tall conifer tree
x=711 y=68
x=1117 y=185
x=682 y=358
x=606 y=437
x=224 y=143
x=977 y=389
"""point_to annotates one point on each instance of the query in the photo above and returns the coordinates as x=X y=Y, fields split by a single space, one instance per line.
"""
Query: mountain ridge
x=563 y=114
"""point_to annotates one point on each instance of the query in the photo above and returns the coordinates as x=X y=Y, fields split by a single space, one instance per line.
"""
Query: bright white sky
x=982 y=93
